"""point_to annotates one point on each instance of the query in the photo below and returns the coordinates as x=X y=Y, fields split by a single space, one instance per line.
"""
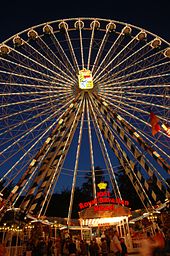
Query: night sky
x=17 y=15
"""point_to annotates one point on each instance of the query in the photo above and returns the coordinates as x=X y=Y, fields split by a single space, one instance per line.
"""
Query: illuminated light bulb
x=119 y=117
x=136 y=134
x=166 y=129
x=102 y=185
x=48 y=140
x=60 y=121
x=105 y=104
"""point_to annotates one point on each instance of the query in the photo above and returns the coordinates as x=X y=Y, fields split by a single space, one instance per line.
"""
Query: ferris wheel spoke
x=109 y=54
x=119 y=56
x=105 y=154
x=62 y=53
x=140 y=64
x=50 y=179
x=37 y=140
x=39 y=158
x=25 y=122
x=76 y=164
x=50 y=54
x=36 y=86
x=93 y=24
x=32 y=100
x=129 y=107
x=40 y=106
x=131 y=81
x=91 y=150
x=69 y=42
x=43 y=60
x=153 y=70
x=147 y=90
x=80 y=26
x=25 y=154
x=100 y=51
x=138 y=155
x=127 y=163
x=30 y=93
x=137 y=130
x=29 y=61
x=29 y=131
x=34 y=73
x=134 y=104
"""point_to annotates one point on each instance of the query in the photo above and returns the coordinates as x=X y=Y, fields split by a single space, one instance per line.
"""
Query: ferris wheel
x=74 y=89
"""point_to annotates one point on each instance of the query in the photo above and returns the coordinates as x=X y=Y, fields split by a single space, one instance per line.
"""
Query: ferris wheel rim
x=82 y=18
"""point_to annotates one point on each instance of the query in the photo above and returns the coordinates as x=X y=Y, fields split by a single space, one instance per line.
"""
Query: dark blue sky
x=18 y=15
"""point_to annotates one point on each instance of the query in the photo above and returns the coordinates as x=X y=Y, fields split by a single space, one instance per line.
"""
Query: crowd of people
x=78 y=247
x=151 y=245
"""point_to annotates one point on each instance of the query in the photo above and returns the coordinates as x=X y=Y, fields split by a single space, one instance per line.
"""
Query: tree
x=127 y=190
x=87 y=187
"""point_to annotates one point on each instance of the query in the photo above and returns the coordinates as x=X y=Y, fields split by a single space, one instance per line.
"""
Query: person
x=72 y=248
x=3 y=251
x=94 y=248
x=159 y=243
x=124 y=247
x=108 y=242
x=83 y=248
x=50 y=248
x=104 y=248
x=115 y=245
x=148 y=245
x=29 y=247
x=42 y=247
x=66 y=247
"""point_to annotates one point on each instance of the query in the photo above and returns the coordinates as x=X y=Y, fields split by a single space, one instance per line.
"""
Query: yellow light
x=105 y=104
x=156 y=154
x=47 y=140
x=119 y=117
x=167 y=129
x=60 y=121
x=102 y=185
x=85 y=79
x=71 y=105
x=33 y=162
x=136 y=134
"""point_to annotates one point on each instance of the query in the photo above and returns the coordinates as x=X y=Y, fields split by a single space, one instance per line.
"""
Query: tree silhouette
x=87 y=186
x=127 y=190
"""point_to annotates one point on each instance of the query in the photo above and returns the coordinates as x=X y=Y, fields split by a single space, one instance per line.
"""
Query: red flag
x=154 y=121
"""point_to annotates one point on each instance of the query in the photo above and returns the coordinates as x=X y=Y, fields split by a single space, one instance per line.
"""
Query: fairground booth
x=103 y=215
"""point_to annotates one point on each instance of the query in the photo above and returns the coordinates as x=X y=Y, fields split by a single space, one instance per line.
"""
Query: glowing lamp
x=102 y=185
x=166 y=129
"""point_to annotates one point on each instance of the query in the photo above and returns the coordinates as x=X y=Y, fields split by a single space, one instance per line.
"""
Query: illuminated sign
x=85 y=79
x=103 y=198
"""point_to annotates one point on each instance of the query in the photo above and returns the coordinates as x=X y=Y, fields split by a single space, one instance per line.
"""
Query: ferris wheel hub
x=85 y=79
